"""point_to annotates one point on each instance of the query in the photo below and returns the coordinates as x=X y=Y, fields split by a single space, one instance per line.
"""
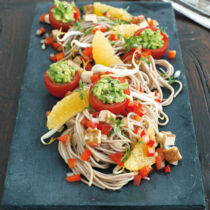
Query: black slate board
x=36 y=174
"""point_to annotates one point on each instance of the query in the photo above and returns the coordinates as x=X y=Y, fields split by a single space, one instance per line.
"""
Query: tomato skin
x=156 y=53
x=59 y=90
x=58 y=24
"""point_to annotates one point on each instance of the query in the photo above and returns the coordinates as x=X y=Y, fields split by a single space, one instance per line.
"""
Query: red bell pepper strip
x=105 y=129
x=72 y=162
x=117 y=158
x=167 y=169
x=137 y=180
x=73 y=178
x=85 y=155
x=42 y=18
x=145 y=171
x=151 y=143
x=171 y=54
x=63 y=139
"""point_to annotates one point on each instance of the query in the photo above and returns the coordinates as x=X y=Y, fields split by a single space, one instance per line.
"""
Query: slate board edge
x=5 y=205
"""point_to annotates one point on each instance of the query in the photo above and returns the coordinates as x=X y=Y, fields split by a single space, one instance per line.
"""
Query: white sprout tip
x=46 y=19
x=42 y=41
x=43 y=47
x=177 y=74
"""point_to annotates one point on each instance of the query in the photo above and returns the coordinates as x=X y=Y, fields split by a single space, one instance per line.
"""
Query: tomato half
x=159 y=52
x=116 y=108
x=59 y=90
x=58 y=24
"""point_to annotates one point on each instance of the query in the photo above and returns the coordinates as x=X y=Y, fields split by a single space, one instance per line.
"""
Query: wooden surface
x=16 y=17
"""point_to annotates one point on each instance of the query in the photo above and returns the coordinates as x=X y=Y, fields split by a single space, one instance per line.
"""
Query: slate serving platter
x=36 y=174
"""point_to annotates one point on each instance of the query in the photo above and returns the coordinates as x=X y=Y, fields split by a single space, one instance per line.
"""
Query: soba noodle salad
x=109 y=75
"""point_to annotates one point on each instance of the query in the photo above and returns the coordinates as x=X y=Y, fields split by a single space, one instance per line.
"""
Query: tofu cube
x=93 y=137
x=106 y=115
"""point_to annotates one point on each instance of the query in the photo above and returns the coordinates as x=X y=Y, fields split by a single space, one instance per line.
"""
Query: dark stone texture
x=36 y=174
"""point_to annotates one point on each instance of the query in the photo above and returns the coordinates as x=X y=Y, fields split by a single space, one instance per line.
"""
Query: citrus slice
x=125 y=30
x=138 y=158
x=67 y=108
x=101 y=9
x=103 y=52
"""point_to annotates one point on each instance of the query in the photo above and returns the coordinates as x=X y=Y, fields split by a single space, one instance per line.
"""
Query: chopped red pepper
x=155 y=92
x=150 y=152
x=63 y=139
x=159 y=159
x=105 y=129
x=57 y=46
x=85 y=155
x=42 y=18
x=92 y=124
x=146 y=52
x=143 y=133
x=145 y=171
x=167 y=169
x=95 y=114
x=72 y=162
x=137 y=118
x=152 y=22
x=117 y=158
x=136 y=131
x=141 y=89
x=137 y=19
x=137 y=180
x=73 y=178
x=99 y=28
x=158 y=100
x=59 y=56
x=151 y=143
x=88 y=53
x=48 y=41
x=53 y=58
x=113 y=37
x=171 y=54
x=84 y=121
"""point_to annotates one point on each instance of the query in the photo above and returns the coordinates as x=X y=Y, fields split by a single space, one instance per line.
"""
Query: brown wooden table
x=16 y=17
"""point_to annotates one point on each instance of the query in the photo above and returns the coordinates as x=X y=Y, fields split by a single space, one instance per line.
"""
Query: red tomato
x=116 y=108
x=105 y=129
x=137 y=180
x=145 y=171
x=58 y=24
x=59 y=90
x=117 y=158
x=157 y=53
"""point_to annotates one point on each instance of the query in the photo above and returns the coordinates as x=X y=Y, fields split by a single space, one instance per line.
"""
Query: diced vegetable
x=48 y=41
x=151 y=143
x=72 y=162
x=85 y=155
x=167 y=169
x=137 y=180
x=171 y=54
x=117 y=158
x=73 y=178
x=42 y=18
x=159 y=159
x=105 y=129
x=145 y=171
x=150 y=151
x=63 y=139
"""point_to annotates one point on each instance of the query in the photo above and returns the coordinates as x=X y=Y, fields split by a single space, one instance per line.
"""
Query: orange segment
x=125 y=30
x=138 y=158
x=103 y=52
x=100 y=9
x=67 y=108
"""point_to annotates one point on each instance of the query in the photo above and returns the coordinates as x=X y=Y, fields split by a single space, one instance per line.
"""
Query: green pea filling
x=151 y=39
x=63 y=11
x=61 y=72
x=110 y=91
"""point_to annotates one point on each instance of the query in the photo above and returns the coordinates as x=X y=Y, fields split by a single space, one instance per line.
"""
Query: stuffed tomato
x=63 y=15
x=61 y=78
x=110 y=93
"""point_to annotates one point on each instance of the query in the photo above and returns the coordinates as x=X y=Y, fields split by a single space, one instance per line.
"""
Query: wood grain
x=15 y=23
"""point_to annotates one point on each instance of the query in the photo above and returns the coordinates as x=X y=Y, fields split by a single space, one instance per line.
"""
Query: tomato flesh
x=59 y=90
x=159 y=52
x=58 y=24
